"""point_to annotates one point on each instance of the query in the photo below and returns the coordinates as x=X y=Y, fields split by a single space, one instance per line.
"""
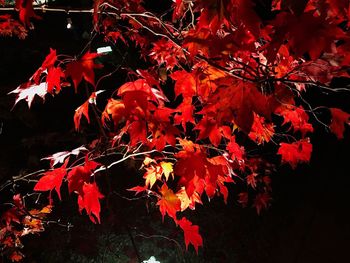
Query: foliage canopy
x=219 y=79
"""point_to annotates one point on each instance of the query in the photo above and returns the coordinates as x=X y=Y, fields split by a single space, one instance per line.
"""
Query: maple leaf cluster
x=16 y=222
x=10 y=27
x=220 y=81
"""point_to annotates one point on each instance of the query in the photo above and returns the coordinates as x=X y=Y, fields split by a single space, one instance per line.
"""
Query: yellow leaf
x=46 y=210
x=187 y=202
x=167 y=169
x=150 y=177
x=148 y=161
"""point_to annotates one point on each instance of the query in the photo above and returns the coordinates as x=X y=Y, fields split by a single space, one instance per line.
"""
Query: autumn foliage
x=219 y=78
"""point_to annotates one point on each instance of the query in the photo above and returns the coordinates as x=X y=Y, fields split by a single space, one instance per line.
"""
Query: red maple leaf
x=296 y=152
x=209 y=129
x=80 y=175
x=26 y=11
x=335 y=10
x=199 y=173
x=149 y=76
x=261 y=130
x=236 y=151
x=191 y=233
x=89 y=199
x=138 y=189
x=207 y=79
x=261 y=201
x=114 y=36
x=140 y=85
x=50 y=59
x=251 y=180
x=144 y=87
x=166 y=52
x=184 y=113
x=49 y=62
x=242 y=12
x=15 y=213
x=306 y=33
x=12 y=27
x=136 y=96
x=236 y=101
x=52 y=180
x=196 y=41
x=285 y=62
x=339 y=119
x=191 y=167
x=53 y=80
x=163 y=131
x=83 y=68
x=83 y=110
x=79 y=112
x=163 y=134
x=137 y=131
x=216 y=14
x=297 y=117
x=139 y=98
x=185 y=83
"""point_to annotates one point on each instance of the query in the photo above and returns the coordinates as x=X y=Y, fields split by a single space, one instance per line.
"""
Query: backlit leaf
x=169 y=203
x=89 y=200
x=296 y=152
x=191 y=233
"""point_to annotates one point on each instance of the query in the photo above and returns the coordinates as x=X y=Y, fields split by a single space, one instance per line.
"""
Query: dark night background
x=309 y=220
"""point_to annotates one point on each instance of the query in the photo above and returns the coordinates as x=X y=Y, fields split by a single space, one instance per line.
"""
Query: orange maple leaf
x=169 y=203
